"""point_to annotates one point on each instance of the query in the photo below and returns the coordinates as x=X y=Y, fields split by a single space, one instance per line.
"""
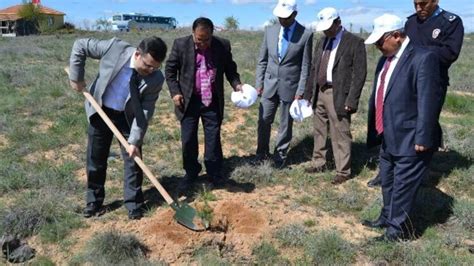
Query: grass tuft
x=112 y=248
x=292 y=235
x=262 y=174
x=328 y=248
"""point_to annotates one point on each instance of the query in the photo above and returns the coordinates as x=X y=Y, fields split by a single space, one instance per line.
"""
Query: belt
x=325 y=87
x=111 y=111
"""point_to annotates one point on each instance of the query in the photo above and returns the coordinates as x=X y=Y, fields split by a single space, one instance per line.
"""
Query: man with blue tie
x=127 y=87
x=283 y=66
x=404 y=110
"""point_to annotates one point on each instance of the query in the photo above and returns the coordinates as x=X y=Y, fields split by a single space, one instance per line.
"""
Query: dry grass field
x=263 y=216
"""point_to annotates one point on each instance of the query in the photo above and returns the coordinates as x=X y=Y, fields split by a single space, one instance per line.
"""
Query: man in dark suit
x=282 y=69
x=439 y=31
x=336 y=80
x=195 y=76
x=404 y=110
x=122 y=68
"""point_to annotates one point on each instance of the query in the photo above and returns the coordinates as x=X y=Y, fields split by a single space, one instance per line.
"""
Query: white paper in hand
x=245 y=98
x=300 y=109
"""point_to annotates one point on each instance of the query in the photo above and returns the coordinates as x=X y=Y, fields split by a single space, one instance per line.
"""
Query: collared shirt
x=117 y=91
x=332 y=56
x=393 y=64
x=290 y=34
x=209 y=74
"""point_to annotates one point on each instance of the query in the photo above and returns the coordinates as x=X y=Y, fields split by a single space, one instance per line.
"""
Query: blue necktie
x=284 y=42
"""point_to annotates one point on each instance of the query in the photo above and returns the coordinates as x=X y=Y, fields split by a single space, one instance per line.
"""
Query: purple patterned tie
x=206 y=92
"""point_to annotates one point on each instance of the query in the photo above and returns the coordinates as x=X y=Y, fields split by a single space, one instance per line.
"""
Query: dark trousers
x=401 y=178
x=211 y=122
x=98 y=147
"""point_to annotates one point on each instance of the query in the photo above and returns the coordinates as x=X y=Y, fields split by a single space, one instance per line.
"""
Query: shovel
x=184 y=214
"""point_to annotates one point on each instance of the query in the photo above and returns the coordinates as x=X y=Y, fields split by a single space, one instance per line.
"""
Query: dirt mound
x=235 y=227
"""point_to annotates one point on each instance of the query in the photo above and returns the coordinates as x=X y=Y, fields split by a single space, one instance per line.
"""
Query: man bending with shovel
x=126 y=87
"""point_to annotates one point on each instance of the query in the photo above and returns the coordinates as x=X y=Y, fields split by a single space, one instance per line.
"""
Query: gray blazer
x=113 y=54
x=288 y=77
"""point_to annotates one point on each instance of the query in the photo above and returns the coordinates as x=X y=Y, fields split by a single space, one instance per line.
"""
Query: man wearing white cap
x=439 y=31
x=282 y=69
x=403 y=117
x=336 y=80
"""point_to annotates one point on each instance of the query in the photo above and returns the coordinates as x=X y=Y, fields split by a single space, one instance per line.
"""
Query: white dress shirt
x=332 y=55
x=393 y=64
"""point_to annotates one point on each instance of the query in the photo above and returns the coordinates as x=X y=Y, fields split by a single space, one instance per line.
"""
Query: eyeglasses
x=382 y=39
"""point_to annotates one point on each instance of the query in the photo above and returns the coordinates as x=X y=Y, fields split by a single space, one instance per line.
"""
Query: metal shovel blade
x=187 y=216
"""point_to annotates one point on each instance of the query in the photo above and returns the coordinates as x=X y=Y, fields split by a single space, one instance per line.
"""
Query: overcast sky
x=251 y=14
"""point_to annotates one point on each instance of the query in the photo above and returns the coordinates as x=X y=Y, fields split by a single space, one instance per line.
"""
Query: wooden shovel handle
x=124 y=143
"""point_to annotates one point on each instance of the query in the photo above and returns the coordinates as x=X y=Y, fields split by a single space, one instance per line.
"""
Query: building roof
x=11 y=13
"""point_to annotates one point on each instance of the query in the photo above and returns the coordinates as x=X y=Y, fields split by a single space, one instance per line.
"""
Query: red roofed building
x=12 y=24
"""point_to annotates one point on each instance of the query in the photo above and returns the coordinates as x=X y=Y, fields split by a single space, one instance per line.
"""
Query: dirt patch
x=241 y=221
x=3 y=141
x=67 y=153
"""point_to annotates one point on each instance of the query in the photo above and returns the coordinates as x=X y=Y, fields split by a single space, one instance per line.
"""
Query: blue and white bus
x=138 y=21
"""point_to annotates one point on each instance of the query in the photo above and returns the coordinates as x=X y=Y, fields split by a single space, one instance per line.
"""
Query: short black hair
x=203 y=22
x=154 y=46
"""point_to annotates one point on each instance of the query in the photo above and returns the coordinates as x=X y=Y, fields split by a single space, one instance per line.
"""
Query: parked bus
x=128 y=21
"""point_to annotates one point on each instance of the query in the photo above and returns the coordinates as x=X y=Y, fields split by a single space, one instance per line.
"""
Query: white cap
x=245 y=98
x=284 y=8
x=383 y=24
x=300 y=109
x=326 y=17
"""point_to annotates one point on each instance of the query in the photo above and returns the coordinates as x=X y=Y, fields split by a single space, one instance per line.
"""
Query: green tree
x=32 y=15
x=231 y=23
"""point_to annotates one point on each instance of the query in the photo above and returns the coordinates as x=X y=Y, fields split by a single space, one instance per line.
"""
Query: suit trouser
x=339 y=130
x=401 y=178
x=98 y=147
x=211 y=122
x=267 y=112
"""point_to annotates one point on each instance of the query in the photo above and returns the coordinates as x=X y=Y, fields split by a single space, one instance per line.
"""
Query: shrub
x=37 y=211
x=328 y=248
x=262 y=174
x=292 y=235
x=112 y=248
x=267 y=254
x=464 y=212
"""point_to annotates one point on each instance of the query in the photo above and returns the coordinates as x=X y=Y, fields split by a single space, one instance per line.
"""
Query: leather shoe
x=136 y=214
x=279 y=164
x=219 y=181
x=379 y=223
x=92 y=209
x=259 y=159
x=186 y=182
x=375 y=182
x=339 y=179
x=315 y=169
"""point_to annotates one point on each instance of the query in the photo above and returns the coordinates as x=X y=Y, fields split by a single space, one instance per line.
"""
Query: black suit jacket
x=181 y=68
x=348 y=74
x=412 y=104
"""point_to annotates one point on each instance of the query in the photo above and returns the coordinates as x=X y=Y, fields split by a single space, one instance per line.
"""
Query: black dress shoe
x=379 y=223
x=375 y=182
x=186 y=182
x=259 y=159
x=136 y=214
x=92 y=209
x=219 y=181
